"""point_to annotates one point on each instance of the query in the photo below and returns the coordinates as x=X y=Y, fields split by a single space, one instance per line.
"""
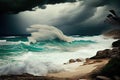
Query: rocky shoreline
x=111 y=70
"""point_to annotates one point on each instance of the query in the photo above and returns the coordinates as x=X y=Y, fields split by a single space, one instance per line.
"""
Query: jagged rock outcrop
x=107 y=53
x=116 y=43
x=114 y=33
x=111 y=70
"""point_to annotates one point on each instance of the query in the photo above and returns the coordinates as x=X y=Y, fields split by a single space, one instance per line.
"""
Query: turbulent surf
x=50 y=48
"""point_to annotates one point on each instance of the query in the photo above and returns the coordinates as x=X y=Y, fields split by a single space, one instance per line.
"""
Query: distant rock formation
x=113 y=19
x=113 y=33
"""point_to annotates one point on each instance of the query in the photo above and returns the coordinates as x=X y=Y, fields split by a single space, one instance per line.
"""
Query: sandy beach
x=82 y=71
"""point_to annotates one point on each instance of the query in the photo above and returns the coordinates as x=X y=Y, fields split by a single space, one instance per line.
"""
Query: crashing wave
x=40 y=59
x=2 y=41
x=38 y=68
x=45 y=32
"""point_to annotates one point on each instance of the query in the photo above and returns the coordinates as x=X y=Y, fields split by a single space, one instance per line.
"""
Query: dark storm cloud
x=85 y=19
x=15 y=6
x=115 y=3
x=10 y=25
x=82 y=23
x=97 y=3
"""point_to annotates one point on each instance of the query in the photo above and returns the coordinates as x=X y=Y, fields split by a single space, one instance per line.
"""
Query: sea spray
x=45 y=32
x=34 y=67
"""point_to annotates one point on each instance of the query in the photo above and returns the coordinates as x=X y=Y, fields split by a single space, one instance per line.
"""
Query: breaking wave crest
x=46 y=55
x=34 y=67
x=45 y=32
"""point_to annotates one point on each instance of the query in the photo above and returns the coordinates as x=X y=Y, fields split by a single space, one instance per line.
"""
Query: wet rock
x=102 y=54
x=78 y=60
x=87 y=59
x=112 y=69
x=75 y=60
x=72 y=61
x=116 y=43
x=107 y=53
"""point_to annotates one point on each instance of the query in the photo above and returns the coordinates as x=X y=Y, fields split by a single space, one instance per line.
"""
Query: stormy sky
x=81 y=17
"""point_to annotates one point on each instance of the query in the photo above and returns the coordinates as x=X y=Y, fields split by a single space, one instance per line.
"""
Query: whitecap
x=45 y=32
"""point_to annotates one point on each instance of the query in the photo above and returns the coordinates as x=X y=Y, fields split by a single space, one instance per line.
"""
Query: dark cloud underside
x=85 y=19
x=82 y=23
x=15 y=6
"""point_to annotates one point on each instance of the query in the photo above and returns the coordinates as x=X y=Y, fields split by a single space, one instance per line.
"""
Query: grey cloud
x=77 y=25
x=16 y=6
x=85 y=19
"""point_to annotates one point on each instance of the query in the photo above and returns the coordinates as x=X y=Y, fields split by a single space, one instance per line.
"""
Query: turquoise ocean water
x=18 y=56
x=17 y=46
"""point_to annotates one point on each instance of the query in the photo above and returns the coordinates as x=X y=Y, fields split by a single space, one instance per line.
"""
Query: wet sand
x=81 y=71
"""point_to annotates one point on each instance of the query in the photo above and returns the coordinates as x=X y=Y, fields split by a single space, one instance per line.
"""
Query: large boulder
x=78 y=60
x=102 y=54
x=110 y=71
x=107 y=53
x=116 y=43
x=75 y=60
x=72 y=61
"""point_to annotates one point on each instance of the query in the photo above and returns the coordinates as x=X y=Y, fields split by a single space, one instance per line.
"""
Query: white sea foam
x=11 y=37
x=101 y=43
x=5 y=42
x=2 y=41
x=32 y=67
x=45 y=32
x=98 y=38
x=41 y=63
